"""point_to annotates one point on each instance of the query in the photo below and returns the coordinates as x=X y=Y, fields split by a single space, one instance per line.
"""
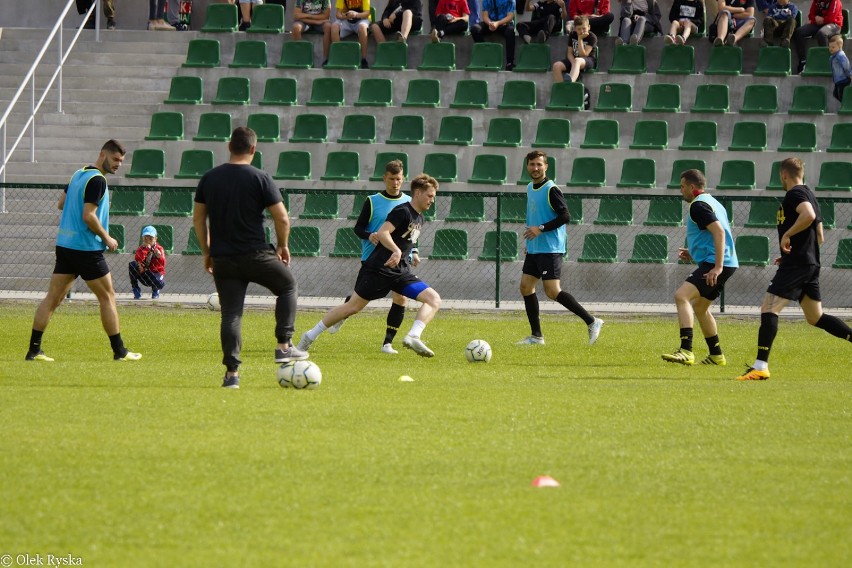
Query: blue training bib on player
x=700 y=242
x=73 y=231
x=539 y=212
x=380 y=206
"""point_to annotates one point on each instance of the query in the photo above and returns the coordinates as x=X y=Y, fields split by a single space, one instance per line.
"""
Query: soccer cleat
x=290 y=354
x=714 y=360
x=595 y=330
x=681 y=356
x=753 y=374
x=304 y=343
x=38 y=356
x=232 y=382
x=336 y=327
x=129 y=356
x=531 y=340
x=416 y=345
x=388 y=349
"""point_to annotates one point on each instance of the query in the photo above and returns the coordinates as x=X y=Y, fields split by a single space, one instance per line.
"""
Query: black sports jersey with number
x=407 y=223
x=804 y=246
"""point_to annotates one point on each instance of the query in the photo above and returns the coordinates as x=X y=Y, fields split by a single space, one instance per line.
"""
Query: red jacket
x=830 y=10
x=586 y=8
x=158 y=263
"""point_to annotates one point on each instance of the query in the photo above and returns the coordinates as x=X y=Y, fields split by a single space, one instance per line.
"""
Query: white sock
x=417 y=329
x=316 y=331
x=761 y=365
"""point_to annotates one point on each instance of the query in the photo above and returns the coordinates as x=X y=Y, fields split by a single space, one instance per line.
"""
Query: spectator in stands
x=635 y=15
x=600 y=18
x=451 y=17
x=548 y=17
x=841 y=72
x=156 y=13
x=687 y=17
x=779 y=23
x=580 y=54
x=148 y=266
x=824 y=21
x=245 y=13
x=400 y=17
x=475 y=9
x=173 y=14
x=109 y=12
x=353 y=17
x=734 y=22
x=498 y=17
x=311 y=15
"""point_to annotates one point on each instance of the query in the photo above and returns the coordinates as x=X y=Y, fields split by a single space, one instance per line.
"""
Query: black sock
x=766 y=335
x=531 y=306
x=714 y=345
x=686 y=338
x=395 y=316
x=568 y=301
x=117 y=345
x=835 y=326
x=35 y=341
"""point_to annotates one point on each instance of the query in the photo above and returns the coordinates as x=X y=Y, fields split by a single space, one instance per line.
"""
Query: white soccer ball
x=478 y=351
x=213 y=302
x=299 y=375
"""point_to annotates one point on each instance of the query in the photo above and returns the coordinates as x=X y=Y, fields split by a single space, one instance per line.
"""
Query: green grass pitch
x=153 y=464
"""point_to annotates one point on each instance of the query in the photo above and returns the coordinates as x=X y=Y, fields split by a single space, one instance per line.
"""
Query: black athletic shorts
x=704 y=290
x=373 y=284
x=796 y=282
x=542 y=265
x=88 y=264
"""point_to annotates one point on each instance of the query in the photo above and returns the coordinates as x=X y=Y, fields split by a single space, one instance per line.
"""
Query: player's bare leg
x=431 y=303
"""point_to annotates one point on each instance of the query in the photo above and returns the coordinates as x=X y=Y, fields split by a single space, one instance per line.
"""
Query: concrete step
x=151 y=94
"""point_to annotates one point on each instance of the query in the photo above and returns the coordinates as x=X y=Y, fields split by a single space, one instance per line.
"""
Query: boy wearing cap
x=148 y=266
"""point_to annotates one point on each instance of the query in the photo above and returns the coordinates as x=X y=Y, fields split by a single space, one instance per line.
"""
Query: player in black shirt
x=797 y=279
x=387 y=269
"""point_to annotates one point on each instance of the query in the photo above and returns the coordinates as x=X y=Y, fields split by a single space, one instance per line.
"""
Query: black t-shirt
x=393 y=5
x=590 y=41
x=95 y=188
x=407 y=223
x=236 y=196
x=543 y=9
x=804 y=247
x=702 y=214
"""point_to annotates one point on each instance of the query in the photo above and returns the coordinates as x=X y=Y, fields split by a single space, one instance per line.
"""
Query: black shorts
x=396 y=25
x=590 y=63
x=88 y=264
x=796 y=282
x=373 y=284
x=542 y=265
x=704 y=290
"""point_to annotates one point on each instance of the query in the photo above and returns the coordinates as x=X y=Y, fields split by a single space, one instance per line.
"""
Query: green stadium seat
x=166 y=126
x=504 y=131
x=165 y=237
x=775 y=176
x=193 y=247
x=650 y=135
x=553 y=133
x=280 y=91
x=760 y=99
x=326 y=91
x=826 y=207
x=818 y=63
x=752 y=250
x=488 y=169
x=450 y=244
x=267 y=19
x=525 y=175
x=677 y=60
x=665 y=212
x=844 y=27
x=344 y=55
x=294 y=164
x=513 y=208
x=257 y=161
x=508 y=246
x=638 y=172
x=773 y=61
x=175 y=203
x=185 y=91
x=679 y=166
x=615 y=211
x=845 y=106
x=214 y=127
x=221 y=18
x=346 y=243
x=376 y=92
x=129 y=202
x=407 y=129
x=533 y=58
x=650 y=249
x=382 y=159
x=599 y=247
x=725 y=60
x=357 y=205
x=320 y=205
x=519 y=94
x=194 y=164
x=628 y=59
x=249 y=54
x=423 y=92
x=296 y=54
x=615 y=97
x=471 y=93
x=763 y=214
x=663 y=97
x=841 y=137
x=748 y=137
x=203 y=53
x=798 y=137
x=486 y=56
x=305 y=241
x=809 y=99
x=455 y=131
x=711 y=98
x=601 y=133
x=844 y=254
x=116 y=231
x=737 y=174
x=438 y=57
x=233 y=91
x=466 y=207
x=391 y=56
x=441 y=166
x=146 y=163
x=575 y=209
x=588 y=171
x=310 y=128
x=835 y=176
x=567 y=97
x=266 y=125
x=342 y=166
x=699 y=135
x=358 y=129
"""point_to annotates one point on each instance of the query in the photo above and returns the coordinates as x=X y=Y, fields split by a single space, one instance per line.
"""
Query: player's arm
x=199 y=222
x=385 y=239
x=92 y=195
x=718 y=233
x=807 y=216
x=282 y=230
x=363 y=221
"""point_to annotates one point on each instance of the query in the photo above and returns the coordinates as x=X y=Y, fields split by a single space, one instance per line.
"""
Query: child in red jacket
x=148 y=266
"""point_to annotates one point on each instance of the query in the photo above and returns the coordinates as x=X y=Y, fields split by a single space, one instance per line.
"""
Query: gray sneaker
x=231 y=382
x=531 y=340
x=304 y=343
x=290 y=354
x=417 y=346
x=595 y=330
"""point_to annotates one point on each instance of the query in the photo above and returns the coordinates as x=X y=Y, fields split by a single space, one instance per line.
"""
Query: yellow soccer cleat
x=681 y=356
x=753 y=374
x=714 y=360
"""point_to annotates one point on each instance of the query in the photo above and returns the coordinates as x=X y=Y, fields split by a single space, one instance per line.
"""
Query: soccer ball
x=299 y=375
x=478 y=351
x=213 y=302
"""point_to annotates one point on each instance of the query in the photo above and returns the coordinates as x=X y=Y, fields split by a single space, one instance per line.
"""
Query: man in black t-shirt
x=232 y=198
x=797 y=279
x=387 y=269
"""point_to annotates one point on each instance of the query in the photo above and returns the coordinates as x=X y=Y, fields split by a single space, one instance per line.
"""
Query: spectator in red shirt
x=824 y=21
x=600 y=18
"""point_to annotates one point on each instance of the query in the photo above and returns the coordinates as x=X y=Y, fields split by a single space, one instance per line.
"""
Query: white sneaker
x=388 y=349
x=336 y=327
x=531 y=340
x=416 y=345
x=595 y=330
x=131 y=356
x=304 y=343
